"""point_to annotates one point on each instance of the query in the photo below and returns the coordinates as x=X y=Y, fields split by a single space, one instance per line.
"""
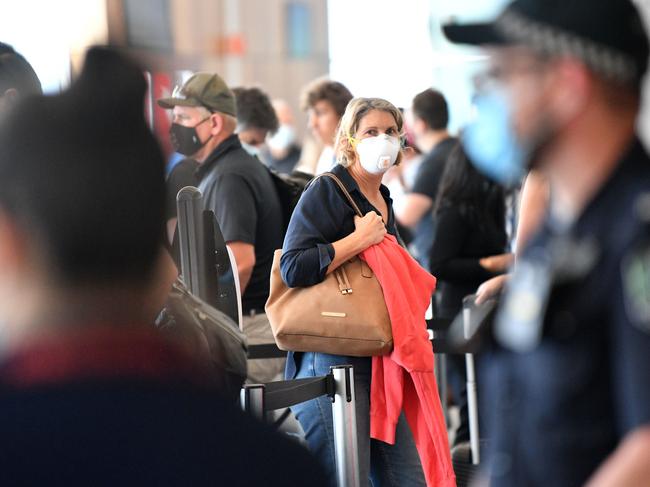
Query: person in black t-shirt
x=431 y=116
x=239 y=189
x=183 y=174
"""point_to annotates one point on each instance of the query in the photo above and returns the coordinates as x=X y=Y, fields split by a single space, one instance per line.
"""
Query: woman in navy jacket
x=323 y=233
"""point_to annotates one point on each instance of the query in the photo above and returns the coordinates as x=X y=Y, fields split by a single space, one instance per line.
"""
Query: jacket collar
x=99 y=353
x=352 y=185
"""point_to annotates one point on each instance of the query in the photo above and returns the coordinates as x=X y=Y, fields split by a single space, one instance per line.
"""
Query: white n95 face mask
x=378 y=154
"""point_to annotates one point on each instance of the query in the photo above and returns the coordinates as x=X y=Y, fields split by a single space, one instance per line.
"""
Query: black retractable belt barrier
x=287 y=393
x=338 y=385
x=265 y=350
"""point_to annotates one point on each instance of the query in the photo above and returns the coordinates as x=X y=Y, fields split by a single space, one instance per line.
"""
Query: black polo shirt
x=239 y=189
x=572 y=375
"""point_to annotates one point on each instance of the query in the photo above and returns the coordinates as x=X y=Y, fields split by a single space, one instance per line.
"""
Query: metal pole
x=441 y=377
x=472 y=402
x=252 y=400
x=345 y=427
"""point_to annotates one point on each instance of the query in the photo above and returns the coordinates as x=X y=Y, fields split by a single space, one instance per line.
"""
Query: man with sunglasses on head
x=238 y=189
x=565 y=386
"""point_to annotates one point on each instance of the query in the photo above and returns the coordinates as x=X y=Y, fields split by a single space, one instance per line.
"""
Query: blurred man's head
x=17 y=78
x=255 y=118
x=430 y=115
x=81 y=203
x=204 y=115
x=325 y=102
x=552 y=63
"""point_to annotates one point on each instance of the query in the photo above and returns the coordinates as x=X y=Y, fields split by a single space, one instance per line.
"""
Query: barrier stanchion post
x=252 y=400
x=345 y=427
x=472 y=402
x=440 y=361
x=188 y=204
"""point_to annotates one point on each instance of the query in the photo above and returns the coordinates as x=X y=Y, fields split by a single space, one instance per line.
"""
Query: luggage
x=211 y=335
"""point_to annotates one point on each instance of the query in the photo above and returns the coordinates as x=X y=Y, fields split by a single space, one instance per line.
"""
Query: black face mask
x=186 y=140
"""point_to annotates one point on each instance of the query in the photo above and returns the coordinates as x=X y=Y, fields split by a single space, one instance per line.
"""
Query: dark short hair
x=83 y=177
x=254 y=109
x=430 y=106
x=323 y=89
x=17 y=73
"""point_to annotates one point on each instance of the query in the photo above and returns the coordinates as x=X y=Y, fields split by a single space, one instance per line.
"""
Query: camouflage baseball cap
x=203 y=90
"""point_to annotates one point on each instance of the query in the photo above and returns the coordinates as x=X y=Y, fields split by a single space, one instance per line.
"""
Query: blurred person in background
x=256 y=119
x=565 y=386
x=532 y=208
x=238 y=189
x=324 y=101
x=182 y=174
x=283 y=149
x=17 y=78
x=399 y=179
x=430 y=120
x=91 y=393
x=469 y=247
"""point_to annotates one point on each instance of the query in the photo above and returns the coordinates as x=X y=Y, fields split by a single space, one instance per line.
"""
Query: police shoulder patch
x=635 y=270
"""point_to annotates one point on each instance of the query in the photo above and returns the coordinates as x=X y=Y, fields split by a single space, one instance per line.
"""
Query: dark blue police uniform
x=571 y=374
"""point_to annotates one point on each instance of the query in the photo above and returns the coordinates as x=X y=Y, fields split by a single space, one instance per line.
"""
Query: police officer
x=568 y=383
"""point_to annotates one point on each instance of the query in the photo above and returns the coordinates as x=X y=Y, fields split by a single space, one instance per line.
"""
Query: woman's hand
x=370 y=229
x=490 y=288
x=497 y=263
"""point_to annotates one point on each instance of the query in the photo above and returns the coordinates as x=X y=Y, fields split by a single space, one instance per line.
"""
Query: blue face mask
x=251 y=149
x=490 y=141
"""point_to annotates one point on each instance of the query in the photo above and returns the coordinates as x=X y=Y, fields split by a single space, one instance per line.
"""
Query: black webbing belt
x=286 y=393
x=266 y=350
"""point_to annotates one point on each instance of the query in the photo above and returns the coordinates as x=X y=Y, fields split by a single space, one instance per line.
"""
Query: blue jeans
x=383 y=464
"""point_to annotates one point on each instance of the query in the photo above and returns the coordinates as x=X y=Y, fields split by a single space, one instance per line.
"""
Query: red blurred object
x=161 y=87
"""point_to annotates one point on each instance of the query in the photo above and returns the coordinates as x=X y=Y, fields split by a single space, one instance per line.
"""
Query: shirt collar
x=100 y=353
x=351 y=184
x=228 y=144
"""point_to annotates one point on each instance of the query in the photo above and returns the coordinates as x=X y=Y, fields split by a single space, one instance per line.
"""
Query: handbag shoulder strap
x=343 y=189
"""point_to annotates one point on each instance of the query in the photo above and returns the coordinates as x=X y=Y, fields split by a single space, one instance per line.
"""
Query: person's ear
x=13 y=246
x=8 y=98
x=217 y=122
x=572 y=88
x=11 y=95
x=419 y=126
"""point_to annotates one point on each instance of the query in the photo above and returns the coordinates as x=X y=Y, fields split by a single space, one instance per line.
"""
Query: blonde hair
x=355 y=111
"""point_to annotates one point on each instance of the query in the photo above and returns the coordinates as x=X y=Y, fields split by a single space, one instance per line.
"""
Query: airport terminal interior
x=343 y=243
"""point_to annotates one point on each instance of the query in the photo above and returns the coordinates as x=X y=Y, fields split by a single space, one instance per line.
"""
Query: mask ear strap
x=352 y=141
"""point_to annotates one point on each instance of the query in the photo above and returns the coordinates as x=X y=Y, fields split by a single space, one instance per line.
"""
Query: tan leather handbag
x=343 y=315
